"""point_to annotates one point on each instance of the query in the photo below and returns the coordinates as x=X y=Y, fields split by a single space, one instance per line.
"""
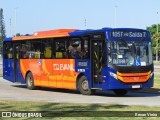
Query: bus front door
x=96 y=59
x=16 y=64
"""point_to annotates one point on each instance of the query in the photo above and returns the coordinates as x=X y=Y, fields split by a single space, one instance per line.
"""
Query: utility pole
x=85 y=22
x=15 y=20
x=115 y=16
x=10 y=25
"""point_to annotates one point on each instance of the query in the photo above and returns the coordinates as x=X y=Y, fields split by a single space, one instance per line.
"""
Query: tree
x=18 y=34
x=2 y=28
x=153 y=29
x=155 y=39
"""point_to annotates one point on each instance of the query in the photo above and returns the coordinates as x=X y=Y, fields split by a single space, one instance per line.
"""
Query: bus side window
x=86 y=48
x=34 y=49
x=61 y=51
x=37 y=53
x=75 y=48
x=18 y=52
x=47 y=48
x=8 y=51
x=59 y=55
x=24 y=53
x=48 y=52
x=109 y=53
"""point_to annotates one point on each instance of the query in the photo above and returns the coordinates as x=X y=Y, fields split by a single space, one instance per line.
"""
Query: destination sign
x=129 y=34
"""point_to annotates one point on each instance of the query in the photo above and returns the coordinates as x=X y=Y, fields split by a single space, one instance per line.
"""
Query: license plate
x=136 y=86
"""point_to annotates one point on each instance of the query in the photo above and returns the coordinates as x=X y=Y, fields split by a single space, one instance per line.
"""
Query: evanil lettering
x=63 y=67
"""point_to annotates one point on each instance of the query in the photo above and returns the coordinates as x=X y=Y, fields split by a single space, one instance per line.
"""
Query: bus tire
x=30 y=81
x=83 y=86
x=120 y=92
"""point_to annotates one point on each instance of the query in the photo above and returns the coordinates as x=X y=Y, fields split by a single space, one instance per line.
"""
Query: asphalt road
x=11 y=91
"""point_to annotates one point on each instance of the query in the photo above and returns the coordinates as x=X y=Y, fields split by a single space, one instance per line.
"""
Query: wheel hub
x=29 y=81
x=85 y=85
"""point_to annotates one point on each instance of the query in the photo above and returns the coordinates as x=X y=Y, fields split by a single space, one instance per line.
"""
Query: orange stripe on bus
x=22 y=69
x=51 y=72
x=65 y=81
x=133 y=74
x=134 y=77
x=52 y=77
x=72 y=62
x=44 y=67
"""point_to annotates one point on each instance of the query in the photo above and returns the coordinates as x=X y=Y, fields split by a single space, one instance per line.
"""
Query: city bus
x=117 y=59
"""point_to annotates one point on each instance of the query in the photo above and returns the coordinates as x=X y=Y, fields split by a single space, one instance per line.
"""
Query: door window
x=8 y=50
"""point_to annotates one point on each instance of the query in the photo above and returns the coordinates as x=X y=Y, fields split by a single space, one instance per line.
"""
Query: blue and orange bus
x=117 y=59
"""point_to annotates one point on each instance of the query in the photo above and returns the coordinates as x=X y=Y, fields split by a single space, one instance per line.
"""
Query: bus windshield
x=130 y=53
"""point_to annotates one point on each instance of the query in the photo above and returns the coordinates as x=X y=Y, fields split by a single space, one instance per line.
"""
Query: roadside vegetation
x=157 y=81
x=51 y=107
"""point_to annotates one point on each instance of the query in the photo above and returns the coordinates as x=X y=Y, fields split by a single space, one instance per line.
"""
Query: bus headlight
x=113 y=75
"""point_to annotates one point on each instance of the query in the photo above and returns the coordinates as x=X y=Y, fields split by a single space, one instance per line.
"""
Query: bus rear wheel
x=30 y=81
x=120 y=92
x=83 y=86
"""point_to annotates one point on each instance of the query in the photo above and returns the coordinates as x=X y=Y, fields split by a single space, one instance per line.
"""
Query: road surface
x=11 y=91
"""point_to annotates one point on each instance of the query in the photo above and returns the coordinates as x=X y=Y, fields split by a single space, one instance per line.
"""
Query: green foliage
x=2 y=28
x=155 y=37
x=18 y=34
x=153 y=29
x=1 y=39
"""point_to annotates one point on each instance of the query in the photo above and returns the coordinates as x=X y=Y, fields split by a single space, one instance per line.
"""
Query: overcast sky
x=37 y=15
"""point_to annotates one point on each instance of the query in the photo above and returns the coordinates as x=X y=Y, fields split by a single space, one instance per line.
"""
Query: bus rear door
x=96 y=61
x=16 y=62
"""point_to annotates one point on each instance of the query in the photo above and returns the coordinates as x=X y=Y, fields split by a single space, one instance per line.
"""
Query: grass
x=49 y=106
x=97 y=108
x=156 y=62
x=157 y=81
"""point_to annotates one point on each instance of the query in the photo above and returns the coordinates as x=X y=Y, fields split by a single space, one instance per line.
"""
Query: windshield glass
x=130 y=53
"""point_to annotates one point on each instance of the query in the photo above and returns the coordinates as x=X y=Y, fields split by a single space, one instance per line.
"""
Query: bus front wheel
x=30 y=81
x=83 y=86
x=120 y=92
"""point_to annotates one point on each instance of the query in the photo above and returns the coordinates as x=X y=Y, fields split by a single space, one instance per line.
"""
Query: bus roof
x=62 y=33
x=46 y=34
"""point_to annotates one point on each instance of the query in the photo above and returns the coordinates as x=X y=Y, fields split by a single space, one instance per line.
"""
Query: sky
x=29 y=16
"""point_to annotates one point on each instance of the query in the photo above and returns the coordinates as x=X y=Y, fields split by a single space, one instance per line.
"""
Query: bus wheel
x=120 y=92
x=83 y=86
x=30 y=81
